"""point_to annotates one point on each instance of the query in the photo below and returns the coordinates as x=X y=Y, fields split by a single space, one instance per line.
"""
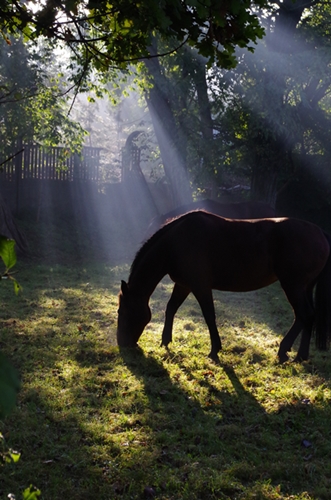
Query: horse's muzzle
x=123 y=341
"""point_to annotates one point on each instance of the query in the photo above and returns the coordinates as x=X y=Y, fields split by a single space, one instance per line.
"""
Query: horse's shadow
x=182 y=424
x=227 y=430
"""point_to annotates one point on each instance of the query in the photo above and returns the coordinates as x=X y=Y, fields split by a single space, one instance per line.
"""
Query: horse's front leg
x=206 y=302
x=178 y=296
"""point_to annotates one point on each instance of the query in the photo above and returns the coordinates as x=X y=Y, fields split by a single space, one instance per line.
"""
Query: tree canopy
x=120 y=32
x=33 y=107
x=262 y=117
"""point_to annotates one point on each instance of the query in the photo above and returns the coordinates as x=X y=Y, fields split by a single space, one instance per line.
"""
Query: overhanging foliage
x=120 y=32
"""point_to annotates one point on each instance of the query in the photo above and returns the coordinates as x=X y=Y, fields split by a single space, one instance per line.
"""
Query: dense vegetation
x=263 y=123
x=104 y=35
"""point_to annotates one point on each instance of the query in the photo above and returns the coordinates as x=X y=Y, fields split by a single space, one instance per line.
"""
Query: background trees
x=101 y=35
x=277 y=105
x=33 y=95
x=264 y=121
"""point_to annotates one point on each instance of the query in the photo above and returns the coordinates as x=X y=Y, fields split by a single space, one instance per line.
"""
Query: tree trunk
x=209 y=161
x=266 y=167
x=167 y=133
x=275 y=146
x=199 y=77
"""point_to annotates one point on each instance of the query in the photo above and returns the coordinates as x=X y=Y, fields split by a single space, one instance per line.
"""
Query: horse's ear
x=124 y=287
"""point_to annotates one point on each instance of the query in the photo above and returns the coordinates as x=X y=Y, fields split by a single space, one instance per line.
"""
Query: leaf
x=17 y=287
x=7 y=252
x=31 y=493
x=12 y=456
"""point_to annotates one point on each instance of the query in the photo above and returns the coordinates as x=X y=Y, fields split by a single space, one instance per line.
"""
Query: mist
x=259 y=132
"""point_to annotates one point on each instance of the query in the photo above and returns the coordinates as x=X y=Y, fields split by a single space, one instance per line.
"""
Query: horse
x=201 y=252
x=239 y=210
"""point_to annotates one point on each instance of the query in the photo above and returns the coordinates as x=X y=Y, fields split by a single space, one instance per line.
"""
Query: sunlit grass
x=93 y=422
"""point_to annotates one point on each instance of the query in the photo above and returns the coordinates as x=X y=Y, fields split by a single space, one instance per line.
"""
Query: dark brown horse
x=240 y=210
x=202 y=252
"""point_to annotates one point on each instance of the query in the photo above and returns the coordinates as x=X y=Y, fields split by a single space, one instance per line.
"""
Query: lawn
x=98 y=423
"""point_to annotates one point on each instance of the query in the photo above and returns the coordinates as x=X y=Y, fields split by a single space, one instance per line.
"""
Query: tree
x=275 y=102
x=102 y=35
x=109 y=37
x=33 y=107
x=180 y=106
x=121 y=32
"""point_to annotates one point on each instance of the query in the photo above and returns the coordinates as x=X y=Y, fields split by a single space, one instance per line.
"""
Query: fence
x=36 y=178
x=32 y=176
x=32 y=161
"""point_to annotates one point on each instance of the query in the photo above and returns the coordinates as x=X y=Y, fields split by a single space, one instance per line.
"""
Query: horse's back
x=239 y=210
x=225 y=254
x=242 y=255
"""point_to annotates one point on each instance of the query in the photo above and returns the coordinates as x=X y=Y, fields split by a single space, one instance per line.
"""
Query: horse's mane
x=149 y=243
x=156 y=236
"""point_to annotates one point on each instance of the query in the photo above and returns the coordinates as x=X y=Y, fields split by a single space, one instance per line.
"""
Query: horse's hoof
x=282 y=358
x=214 y=358
x=166 y=348
x=300 y=359
x=166 y=339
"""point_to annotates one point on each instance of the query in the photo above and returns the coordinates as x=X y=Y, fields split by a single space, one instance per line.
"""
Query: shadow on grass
x=205 y=437
x=57 y=452
x=228 y=444
x=222 y=446
x=267 y=308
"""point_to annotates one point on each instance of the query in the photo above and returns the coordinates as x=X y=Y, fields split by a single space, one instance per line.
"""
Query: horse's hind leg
x=288 y=340
x=302 y=303
x=303 y=351
x=206 y=303
x=178 y=296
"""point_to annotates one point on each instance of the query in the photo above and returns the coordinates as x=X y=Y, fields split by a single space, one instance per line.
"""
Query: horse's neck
x=146 y=275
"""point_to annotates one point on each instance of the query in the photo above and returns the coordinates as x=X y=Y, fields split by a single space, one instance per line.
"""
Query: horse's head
x=133 y=315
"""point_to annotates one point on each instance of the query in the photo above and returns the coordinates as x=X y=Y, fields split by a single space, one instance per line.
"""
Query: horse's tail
x=322 y=325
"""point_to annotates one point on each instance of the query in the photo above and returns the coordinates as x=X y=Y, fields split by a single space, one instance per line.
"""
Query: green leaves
x=31 y=493
x=119 y=32
x=7 y=252
x=8 y=255
x=10 y=383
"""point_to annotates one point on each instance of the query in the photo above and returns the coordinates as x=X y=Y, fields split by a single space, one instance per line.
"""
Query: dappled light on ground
x=95 y=421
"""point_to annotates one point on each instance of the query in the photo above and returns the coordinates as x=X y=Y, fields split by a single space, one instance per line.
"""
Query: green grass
x=93 y=422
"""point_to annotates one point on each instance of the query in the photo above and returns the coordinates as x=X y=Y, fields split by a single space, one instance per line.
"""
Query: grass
x=94 y=422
